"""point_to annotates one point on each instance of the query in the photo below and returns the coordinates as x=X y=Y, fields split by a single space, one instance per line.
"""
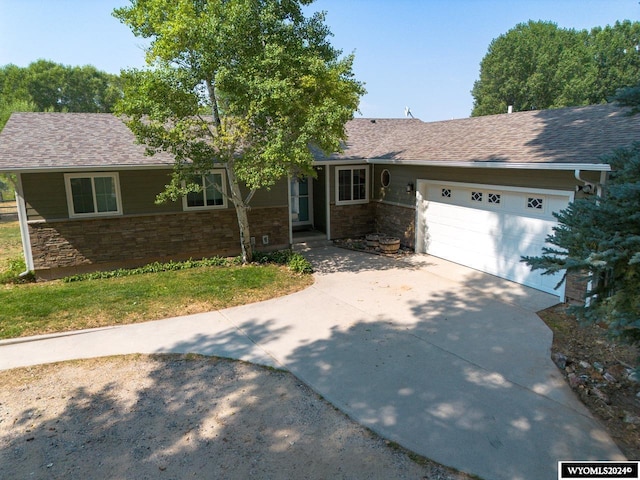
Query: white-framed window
x=385 y=178
x=93 y=194
x=212 y=194
x=352 y=185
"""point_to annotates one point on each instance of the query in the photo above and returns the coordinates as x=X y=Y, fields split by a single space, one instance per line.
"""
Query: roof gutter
x=87 y=168
x=594 y=167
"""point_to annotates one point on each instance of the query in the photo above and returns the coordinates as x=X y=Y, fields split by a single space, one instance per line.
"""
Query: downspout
x=24 y=228
x=327 y=189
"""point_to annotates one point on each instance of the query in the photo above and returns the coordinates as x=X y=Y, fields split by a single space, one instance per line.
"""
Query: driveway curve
x=449 y=362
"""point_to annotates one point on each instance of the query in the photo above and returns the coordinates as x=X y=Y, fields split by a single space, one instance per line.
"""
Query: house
x=477 y=191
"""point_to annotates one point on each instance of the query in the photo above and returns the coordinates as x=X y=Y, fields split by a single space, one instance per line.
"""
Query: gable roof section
x=561 y=138
x=577 y=135
x=46 y=141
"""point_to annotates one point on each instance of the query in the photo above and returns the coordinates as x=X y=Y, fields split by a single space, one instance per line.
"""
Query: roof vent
x=510 y=109
x=373 y=120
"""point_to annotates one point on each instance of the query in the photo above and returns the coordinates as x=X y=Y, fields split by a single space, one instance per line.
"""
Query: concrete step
x=302 y=244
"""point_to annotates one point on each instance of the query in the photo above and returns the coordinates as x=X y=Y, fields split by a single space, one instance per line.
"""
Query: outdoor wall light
x=409 y=187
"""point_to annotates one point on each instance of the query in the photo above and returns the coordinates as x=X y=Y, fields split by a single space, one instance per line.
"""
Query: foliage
x=247 y=85
x=294 y=260
x=537 y=65
x=296 y=263
x=600 y=238
x=48 y=86
x=14 y=268
x=154 y=267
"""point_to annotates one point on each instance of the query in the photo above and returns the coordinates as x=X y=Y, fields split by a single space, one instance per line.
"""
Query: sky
x=421 y=54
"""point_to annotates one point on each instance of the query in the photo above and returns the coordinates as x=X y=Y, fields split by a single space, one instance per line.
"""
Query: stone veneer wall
x=352 y=220
x=71 y=246
x=398 y=221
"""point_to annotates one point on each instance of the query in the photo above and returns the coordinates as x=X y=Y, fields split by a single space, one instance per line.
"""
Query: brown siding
x=320 y=201
x=66 y=247
x=276 y=196
x=139 y=189
x=401 y=175
x=45 y=195
x=396 y=221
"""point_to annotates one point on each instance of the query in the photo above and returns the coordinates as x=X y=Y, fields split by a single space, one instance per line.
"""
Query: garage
x=489 y=227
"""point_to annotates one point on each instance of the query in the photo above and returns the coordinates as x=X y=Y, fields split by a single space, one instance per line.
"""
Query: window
x=212 y=192
x=476 y=196
x=351 y=185
x=93 y=194
x=494 y=198
x=385 y=178
x=535 y=203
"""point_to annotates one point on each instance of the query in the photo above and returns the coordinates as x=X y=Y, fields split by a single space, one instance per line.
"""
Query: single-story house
x=477 y=191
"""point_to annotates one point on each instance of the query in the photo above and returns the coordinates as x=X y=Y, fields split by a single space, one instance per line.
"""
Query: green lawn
x=10 y=242
x=29 y=309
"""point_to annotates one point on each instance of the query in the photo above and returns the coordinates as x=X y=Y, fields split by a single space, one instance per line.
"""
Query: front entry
x=301 y=202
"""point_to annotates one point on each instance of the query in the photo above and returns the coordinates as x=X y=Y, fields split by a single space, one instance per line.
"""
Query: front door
x=301 y=202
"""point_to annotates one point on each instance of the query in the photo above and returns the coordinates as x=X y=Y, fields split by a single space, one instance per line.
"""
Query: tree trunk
x=241 y=212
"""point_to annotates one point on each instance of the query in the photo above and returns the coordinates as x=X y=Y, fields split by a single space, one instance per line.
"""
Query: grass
x=10 y=242
x=37 y=308
x=30 y=309
x=11 y=257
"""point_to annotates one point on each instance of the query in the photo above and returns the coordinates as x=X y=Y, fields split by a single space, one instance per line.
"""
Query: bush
x=154 y=267
x=295 y=261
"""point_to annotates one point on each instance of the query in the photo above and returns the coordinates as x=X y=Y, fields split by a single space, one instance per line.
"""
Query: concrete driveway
x=448 y=362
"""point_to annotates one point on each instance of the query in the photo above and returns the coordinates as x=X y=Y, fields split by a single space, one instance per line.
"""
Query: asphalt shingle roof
x=567 y=135
x=77 y=140
x=34 y=141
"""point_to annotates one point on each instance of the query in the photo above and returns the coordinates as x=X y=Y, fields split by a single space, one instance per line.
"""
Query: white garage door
x=488 y=227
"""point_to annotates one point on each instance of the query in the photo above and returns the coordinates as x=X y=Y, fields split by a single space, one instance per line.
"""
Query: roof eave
x=85 y=168
x=596 y=167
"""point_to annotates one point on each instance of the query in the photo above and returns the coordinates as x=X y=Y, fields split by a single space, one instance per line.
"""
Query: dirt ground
x=176 y=417
x=598 y=369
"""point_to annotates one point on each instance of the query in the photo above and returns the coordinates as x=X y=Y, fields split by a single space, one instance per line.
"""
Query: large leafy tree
x=599 y=238
x=48 y=86
x=248 y=85
x=537 y=65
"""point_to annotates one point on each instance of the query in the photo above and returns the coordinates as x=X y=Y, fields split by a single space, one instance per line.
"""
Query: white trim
x=24 y=228
x=352 y=167
x=309 y=196
x=504 y=188
x=327 y=188
x=217 y=171
x=337 y=163
x=89 y=168
x=92 y=175
x=595 y=167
